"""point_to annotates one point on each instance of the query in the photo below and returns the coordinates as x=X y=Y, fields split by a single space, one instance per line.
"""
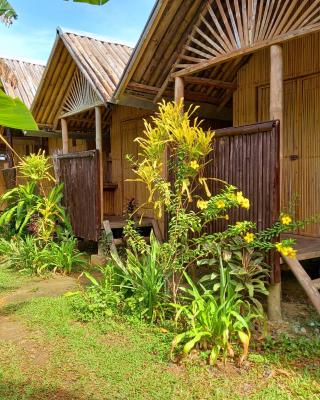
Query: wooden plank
x=108 y=231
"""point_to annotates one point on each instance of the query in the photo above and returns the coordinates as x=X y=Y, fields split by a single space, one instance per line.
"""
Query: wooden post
x=9 y=150
x=276 y=112
x=178 y=89
x=99 y=147
x=65 y=137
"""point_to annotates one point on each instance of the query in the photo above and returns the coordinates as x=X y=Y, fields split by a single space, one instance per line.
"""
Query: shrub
x=142 y=280
x=29 y=209
x=100 y=298
x=28 y=255
x=213 y=314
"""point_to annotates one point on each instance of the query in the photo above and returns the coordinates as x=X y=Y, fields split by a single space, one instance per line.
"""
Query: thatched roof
x=207 y=42
x=27 y=76
x=150 y=66
x=98 y=60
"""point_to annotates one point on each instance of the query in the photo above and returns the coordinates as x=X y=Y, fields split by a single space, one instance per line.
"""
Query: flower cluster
x=285 y=219
x=243 y=201
x=287 y=251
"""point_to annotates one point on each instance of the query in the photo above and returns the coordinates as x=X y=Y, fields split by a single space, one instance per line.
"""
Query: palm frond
x=7 y=13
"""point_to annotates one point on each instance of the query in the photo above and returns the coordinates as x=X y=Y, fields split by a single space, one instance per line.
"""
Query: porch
x=307 y=247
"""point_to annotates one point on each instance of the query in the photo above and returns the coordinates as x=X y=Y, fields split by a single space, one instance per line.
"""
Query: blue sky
x=32 y=35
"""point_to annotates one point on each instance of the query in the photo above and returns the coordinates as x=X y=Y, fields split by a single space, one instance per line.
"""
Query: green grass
x=59 y=358
x=10 y=280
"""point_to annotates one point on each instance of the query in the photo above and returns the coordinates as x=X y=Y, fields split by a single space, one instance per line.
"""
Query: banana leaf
x=15 y=114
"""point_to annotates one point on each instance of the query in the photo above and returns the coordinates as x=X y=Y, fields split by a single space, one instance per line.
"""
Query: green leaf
x=15 y=114
x=94 y=2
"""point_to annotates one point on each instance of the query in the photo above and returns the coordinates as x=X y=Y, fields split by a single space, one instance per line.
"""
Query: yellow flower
x=249 y=237
x=287 y=251
x=286 y=219
x=220 y=204
x=194 y=165
x=243 y=201
x=227 y=217
x=202 y=204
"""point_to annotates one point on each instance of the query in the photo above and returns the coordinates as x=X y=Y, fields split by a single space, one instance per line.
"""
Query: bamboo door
x=130 y=130
x=290 y=161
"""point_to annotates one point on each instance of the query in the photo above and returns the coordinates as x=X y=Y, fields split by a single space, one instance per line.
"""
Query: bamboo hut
x=254 y=61
x=24 y=78
x=72 y=108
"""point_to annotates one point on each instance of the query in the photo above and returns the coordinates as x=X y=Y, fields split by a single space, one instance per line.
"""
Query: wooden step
x=311 y=287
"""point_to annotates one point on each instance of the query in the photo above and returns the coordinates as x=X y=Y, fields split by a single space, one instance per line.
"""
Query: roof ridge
x=24 y=60
x=90 y=35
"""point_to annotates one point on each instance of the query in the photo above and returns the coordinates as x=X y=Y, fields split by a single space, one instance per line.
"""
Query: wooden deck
x=308 y=247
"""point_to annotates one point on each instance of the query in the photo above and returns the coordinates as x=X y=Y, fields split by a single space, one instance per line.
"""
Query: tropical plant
x=101 y=298
x=30 y=256
x=143 y=280
x=28 y=208
x=179 y=134
x=214 y=321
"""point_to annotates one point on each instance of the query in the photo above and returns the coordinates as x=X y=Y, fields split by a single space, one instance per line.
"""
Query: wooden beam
x=203 y=65
x=304 y=279
x=100 y=148
x=195 y=80
x=65 y=137
x=153 y=90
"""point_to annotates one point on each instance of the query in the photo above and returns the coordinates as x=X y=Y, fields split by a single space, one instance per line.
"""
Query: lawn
x=47 y=354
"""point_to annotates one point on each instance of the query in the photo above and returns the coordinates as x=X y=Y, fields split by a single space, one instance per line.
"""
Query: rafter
x=80 y=96
x=232 y=28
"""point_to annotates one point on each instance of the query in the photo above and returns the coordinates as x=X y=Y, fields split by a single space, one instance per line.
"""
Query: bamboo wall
x=126 y=125
x=301 y=128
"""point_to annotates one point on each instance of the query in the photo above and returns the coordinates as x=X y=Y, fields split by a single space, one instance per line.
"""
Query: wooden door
x=309 y=155
x=301 y=147
x=81 y=192
x=291 y=143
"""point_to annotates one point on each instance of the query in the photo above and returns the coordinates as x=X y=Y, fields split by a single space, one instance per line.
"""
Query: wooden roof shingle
x=99 y=60
x=28 y=76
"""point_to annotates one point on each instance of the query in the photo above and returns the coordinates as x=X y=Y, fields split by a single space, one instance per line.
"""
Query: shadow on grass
x=32 y=391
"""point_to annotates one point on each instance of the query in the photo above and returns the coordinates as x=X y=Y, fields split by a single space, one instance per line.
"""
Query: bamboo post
x=276 y=112
x=65 y=136
x=99 y=147
x=178 y=89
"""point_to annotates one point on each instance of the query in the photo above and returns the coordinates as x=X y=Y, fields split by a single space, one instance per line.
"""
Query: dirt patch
x=52 y=287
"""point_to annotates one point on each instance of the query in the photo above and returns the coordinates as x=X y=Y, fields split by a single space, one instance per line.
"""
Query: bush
x=100 y=299
x=29 y=209
x=27 y=255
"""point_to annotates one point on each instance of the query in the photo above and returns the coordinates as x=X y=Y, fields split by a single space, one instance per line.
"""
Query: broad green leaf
x=15 y=114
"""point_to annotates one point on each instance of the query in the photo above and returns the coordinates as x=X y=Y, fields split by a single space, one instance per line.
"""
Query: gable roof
x=99 y=60
x=28 y=76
